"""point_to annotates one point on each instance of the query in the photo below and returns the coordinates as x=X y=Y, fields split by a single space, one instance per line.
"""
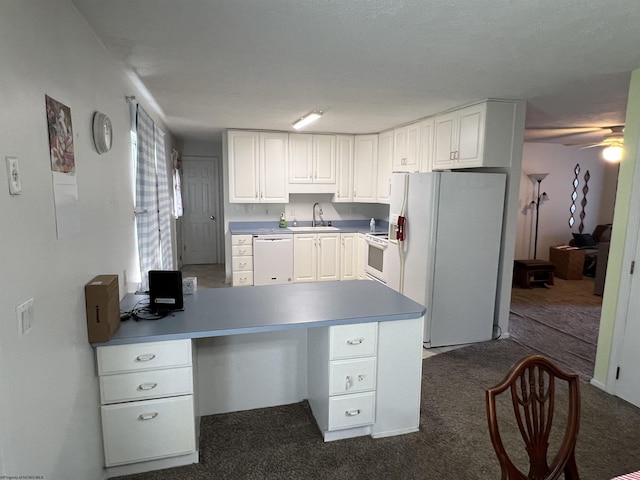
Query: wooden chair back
x=532 y=386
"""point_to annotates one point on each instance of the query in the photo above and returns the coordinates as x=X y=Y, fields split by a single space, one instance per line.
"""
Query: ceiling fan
x=611 y=138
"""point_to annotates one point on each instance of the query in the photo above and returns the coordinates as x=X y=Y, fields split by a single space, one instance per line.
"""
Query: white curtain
x=153 y=200
x=164 y=202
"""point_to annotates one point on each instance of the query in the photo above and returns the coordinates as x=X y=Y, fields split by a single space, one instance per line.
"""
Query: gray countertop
x=212 y=312
x=343 y=226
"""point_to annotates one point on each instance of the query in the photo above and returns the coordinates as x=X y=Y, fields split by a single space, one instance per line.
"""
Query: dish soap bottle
x=283 y=222
x=372 y=225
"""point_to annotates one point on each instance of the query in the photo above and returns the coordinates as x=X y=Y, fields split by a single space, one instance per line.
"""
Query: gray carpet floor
x=453 y=441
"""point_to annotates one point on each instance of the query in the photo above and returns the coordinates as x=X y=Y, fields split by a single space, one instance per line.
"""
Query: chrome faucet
x=314 y=222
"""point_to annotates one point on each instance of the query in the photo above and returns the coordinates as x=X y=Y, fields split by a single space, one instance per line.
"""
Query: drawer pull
x=145 y=357
x=352 y=413
x=148 y=416
x=357 y=341
x=147 y=386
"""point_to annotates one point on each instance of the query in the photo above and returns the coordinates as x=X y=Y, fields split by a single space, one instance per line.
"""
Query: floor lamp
x=538 y=177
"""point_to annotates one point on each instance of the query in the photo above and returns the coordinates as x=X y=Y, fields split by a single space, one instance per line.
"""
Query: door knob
x=212 y=217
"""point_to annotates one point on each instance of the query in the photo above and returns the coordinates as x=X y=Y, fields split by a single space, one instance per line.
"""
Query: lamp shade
x=538 y=177
x=612 y=153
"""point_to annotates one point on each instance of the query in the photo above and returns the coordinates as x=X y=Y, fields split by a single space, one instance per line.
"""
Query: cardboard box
x=103 y=307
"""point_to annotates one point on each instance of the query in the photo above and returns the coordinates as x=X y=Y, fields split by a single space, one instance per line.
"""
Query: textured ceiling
x=371 y=64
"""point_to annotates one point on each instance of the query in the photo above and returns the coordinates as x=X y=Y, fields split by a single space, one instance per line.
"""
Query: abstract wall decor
x=60 y=136
x=583 y=203
x=574 y=195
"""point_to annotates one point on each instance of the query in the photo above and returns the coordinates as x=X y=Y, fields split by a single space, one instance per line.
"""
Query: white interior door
x=202 y=219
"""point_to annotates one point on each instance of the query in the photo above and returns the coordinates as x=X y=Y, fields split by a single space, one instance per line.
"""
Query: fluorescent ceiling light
x=612 y=153
x=307 y=119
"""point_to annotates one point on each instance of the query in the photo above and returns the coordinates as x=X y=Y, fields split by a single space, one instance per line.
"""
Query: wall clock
x=102 y=133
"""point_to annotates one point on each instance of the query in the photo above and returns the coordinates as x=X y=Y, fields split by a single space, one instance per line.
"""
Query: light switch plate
x=15 y=184
x=24 y=314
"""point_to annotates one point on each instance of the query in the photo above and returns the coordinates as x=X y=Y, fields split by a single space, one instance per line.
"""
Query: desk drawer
x=242 y=279
x=351 y=376
x=128 y=387
x=242 y=264
x=350 y=341
x=144 y=356
x=242 y=250
x=139 y=431
x=347 y=411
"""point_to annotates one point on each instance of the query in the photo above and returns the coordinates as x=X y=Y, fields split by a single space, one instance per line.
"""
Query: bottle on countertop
x=283 y=222
x=295 y=222
x=372 y=225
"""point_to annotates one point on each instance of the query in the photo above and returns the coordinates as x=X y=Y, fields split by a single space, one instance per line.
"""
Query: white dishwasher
x=272 y=259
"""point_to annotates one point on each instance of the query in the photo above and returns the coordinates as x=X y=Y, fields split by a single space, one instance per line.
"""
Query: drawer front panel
x=350 y=376
x=242 y=279
x=350 y=341
x=144 y=356
x=242 y=250
x=242 y=264
x=127 y=387
x=241 y=240
x=348 y=411
x=146 y=430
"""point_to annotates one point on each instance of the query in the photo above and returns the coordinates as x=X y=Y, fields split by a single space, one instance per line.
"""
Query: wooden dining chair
x=532 y=385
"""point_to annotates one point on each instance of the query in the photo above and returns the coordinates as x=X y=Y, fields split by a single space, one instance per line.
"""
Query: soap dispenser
x=283 y=222
x=372 y=225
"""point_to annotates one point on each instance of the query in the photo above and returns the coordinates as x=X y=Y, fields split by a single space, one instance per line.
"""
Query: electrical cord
x=142 y=311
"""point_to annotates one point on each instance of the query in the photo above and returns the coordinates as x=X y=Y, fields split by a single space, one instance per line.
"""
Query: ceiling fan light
x=612 y=153
x=307 y=119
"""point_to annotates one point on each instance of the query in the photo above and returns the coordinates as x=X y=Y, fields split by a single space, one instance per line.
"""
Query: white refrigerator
x=448 y=259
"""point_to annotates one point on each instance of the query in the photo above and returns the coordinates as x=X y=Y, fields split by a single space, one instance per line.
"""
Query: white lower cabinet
x=146 y=392
x=342 y=372
x=316 y=257
x=151 y=429
x=242 y=260
x=348 y=256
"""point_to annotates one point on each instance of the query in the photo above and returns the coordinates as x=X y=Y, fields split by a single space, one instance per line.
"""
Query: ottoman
x=530 y=273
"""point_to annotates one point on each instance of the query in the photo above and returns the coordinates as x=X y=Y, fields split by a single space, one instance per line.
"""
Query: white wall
x=49 y=408
x=553 y=227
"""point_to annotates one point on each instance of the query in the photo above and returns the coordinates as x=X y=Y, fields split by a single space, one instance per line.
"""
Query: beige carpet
x=560 y=321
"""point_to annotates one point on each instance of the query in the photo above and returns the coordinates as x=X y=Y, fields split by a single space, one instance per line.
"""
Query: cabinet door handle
x=352 y=413
x=145 y=357
x=356 y=341
x=348 y=383
x=147 y=386
x=148 y=416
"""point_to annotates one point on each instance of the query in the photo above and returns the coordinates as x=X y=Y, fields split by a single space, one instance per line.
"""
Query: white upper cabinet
x=344 y=169
x=257 y=167
x=385 y=168
x=459 y=138
x=475 y=136
x=365 y=162
x=426 y=144
x=406 y=148
x=312 y=158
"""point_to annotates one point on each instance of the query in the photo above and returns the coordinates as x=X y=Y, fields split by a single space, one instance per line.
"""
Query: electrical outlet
x=24 y=314
x=15 y=184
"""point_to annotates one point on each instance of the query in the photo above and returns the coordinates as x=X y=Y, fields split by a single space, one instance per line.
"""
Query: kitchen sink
x=312 y=229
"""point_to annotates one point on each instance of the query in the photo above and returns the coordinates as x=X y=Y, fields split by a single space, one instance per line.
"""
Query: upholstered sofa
x=596 y=247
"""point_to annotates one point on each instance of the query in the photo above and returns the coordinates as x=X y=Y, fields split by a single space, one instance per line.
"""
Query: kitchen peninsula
x=352 y=349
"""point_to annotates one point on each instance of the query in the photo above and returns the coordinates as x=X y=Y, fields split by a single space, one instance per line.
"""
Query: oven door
x=375 y=264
